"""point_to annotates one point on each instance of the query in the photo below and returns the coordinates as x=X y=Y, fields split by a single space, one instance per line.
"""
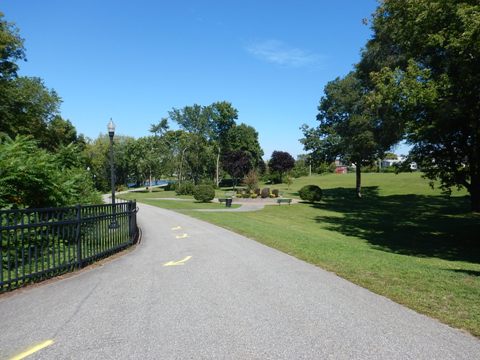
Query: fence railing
x=40 y=243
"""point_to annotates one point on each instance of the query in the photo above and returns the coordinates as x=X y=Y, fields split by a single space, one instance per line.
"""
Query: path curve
x=225 y=297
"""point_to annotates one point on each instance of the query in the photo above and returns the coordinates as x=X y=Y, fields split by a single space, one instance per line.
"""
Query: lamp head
x=111 y=128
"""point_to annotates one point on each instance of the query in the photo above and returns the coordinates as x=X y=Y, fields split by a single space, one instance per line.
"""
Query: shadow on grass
x=420 y=225
x=467 y=272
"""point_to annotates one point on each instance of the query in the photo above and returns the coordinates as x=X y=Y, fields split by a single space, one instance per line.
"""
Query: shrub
x=310 y=193
x=275 y=192
x=185 y=188
x=33 y=177
x=257 y=191
x=265 y=193
x=170 y=186
x=251 y=180
x=204 y=193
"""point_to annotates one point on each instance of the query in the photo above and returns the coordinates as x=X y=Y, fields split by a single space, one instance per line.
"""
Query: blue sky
x=135 y=60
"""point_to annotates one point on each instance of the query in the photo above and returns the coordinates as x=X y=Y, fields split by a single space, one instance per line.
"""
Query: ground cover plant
x=402 y=240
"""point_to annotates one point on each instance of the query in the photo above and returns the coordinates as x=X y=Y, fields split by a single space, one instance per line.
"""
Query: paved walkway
x=191 y=290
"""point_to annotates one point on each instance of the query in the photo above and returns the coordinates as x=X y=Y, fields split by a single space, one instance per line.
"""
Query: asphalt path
x=222 y=297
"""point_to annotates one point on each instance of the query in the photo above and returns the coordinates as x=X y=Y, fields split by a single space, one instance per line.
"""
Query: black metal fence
x=40 y=243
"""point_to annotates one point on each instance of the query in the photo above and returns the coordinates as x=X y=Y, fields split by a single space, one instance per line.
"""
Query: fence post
x=78 y=237
x=129 y=208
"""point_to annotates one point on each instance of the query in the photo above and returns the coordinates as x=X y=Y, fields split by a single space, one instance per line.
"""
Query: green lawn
x=160 y=198
x=402 y=240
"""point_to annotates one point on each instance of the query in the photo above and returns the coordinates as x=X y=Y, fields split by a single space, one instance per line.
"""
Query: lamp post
x=111 y=133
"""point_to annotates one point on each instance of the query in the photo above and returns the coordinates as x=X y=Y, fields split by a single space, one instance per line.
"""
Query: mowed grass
x=402 y=240
x=159 y=197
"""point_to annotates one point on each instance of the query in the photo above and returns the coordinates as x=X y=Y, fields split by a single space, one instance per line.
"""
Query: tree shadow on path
x=419 y=225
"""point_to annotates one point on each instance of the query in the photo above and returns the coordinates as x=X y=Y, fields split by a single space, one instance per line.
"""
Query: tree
x=237 y=163
x=196 y=121
x=223 y=116
x=11 y=49
x=281 y=162
x=60 y=132
x=27 y=108
x=422 y=65
x=32 y=177
x=346 y=130
x=245 y=138
x=302 y=166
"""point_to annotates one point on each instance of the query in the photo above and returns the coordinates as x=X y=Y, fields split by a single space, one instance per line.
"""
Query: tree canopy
x=280 y=163
x=422 y=68
x=346 y=129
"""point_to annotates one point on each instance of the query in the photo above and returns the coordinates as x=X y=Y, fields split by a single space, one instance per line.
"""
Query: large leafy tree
x=198 y=155
x=237 y=163
x=223 y=116
x=280 y=163
x=346 y=130
x=11 y=49
x=27 y=106
x=422 y=65
x=245 y=138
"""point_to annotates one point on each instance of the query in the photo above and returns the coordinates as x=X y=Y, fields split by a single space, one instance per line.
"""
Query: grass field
x=162 y=199
x=402 y=240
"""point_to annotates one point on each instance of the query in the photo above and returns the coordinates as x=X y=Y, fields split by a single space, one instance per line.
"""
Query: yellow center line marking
x=183 y=236
x=176 y=263
x=32 y=350
x=176 y=228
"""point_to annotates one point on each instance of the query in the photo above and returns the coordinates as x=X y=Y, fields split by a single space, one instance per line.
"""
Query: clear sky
x=135 y=60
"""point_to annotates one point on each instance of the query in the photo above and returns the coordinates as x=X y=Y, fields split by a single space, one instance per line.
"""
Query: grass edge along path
x=419 y=249
x=443 y=289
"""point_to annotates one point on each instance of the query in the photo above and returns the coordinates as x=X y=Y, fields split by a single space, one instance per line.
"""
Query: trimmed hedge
x=310 y=193
x=204 y=193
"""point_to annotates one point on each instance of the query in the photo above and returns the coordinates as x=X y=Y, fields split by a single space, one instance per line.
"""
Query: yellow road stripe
x=176 y=263
x=32 y=350
x=183 y=236
x=176 y=228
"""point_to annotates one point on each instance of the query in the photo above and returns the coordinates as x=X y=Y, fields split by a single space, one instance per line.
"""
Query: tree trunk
x=150 y=181
x=358 y=186
x=218 y=168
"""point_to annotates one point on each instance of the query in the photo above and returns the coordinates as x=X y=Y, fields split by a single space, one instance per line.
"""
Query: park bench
x=282 y=200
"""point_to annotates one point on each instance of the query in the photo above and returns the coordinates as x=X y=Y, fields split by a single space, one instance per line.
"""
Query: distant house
x=340 y=169
x=400 y=160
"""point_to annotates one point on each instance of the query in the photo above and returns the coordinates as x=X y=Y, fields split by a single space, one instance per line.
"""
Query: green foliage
x=185 y=188
x=244 y=138
x=301 y=167
x=27 y=108
x=170 y=186
x=11 y=49
x=32 y=177
x=204 y=193
x=429 y=88
x=404 y=240
x=265 y=193
x=347 y=130
x=311 y=193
